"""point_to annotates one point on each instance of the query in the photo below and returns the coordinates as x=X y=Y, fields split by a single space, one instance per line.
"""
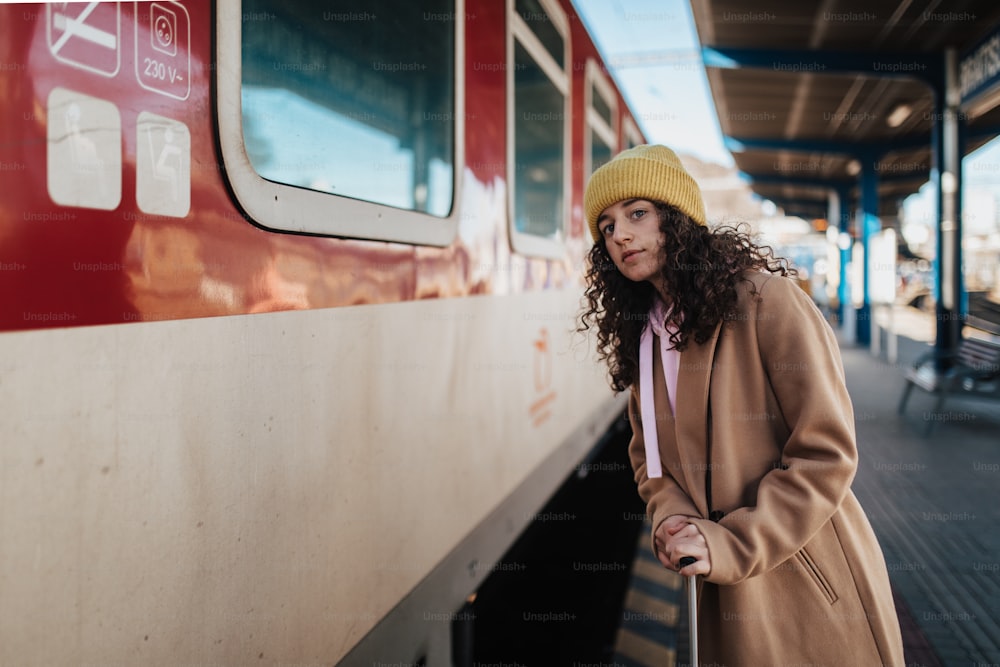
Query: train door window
x=344 y=121
x=538 y=109
x=601 y=134
x=631 y=133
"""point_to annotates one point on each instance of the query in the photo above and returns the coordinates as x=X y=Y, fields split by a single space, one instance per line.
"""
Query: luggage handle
x=692 y=608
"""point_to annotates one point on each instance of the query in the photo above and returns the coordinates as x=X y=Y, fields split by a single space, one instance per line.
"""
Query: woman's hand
x=676 y=538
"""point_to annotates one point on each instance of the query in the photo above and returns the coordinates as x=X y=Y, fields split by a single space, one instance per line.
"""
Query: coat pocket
x=814 y=573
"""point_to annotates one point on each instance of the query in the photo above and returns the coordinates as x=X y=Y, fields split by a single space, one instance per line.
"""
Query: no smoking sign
x=162 y=48
x=85 y=36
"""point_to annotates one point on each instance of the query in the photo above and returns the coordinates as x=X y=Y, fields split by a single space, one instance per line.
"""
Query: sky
x=669 y=93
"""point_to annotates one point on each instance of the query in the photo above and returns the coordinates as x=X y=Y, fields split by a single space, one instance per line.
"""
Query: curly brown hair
x=701 y=269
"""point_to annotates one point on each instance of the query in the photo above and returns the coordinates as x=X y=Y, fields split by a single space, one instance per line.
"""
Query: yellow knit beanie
x=642 y=172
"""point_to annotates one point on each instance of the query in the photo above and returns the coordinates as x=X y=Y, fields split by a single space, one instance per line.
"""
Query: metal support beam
x=924 y=66
x=793 y=212
x=803 y=182
x=869 y=225
x=947 y=177
x=816 y=207
x=741 y=144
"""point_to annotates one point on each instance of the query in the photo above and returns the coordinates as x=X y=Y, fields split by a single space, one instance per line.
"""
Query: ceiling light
x=899 y=115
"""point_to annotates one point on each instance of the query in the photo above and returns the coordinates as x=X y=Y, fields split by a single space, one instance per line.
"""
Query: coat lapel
x=692 y=419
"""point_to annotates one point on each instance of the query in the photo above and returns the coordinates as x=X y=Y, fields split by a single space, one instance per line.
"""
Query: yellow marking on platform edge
x=648 y=609
x=644 y=651
x=654 y=571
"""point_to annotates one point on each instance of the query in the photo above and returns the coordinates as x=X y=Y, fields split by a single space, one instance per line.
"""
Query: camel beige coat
x=797 y=576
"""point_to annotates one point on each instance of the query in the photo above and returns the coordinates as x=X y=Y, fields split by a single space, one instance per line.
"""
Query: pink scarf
x=670 y=359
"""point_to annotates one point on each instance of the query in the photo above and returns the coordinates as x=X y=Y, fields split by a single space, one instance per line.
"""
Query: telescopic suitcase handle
x=692 y=609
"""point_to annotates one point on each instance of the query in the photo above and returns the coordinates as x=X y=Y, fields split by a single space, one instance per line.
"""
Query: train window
x=632 y=136
x=599 y=104
x=600 y=150
x=534 y=15
x=538 y=111
x=360 y=102
x=600 y=114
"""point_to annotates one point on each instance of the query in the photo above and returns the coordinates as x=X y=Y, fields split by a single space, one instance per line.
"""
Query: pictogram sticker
x=163 y=166
x=84 y=154
x=162 y=48
x=541 y=409
x=86 y=36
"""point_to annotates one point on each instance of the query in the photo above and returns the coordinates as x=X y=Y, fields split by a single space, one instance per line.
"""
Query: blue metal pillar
x=947 y=177
x=869 y=224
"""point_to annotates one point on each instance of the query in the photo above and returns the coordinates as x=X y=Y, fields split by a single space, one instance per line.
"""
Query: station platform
x=932 y=500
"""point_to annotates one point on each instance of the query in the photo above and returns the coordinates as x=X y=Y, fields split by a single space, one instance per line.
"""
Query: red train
x=287 y=349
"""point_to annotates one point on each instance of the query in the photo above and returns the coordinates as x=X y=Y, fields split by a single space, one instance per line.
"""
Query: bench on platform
x=971 y=370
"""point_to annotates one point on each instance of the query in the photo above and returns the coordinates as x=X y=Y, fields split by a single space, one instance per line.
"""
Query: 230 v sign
x=162 y=48
x=162 y=71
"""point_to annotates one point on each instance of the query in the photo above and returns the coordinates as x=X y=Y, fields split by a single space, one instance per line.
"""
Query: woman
x=752 y=477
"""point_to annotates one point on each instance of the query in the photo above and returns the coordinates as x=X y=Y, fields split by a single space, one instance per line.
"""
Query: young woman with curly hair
x=743 y=440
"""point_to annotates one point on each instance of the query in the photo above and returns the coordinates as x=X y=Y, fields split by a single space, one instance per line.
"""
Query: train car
x=287 y=341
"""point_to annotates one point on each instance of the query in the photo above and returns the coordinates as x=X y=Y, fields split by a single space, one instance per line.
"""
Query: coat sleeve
x=801 y=358
x=662 y=495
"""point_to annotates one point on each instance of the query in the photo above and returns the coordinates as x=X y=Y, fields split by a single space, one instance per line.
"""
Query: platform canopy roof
x=808 y=90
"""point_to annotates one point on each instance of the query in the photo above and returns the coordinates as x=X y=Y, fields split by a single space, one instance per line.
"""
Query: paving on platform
x=933 y=501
